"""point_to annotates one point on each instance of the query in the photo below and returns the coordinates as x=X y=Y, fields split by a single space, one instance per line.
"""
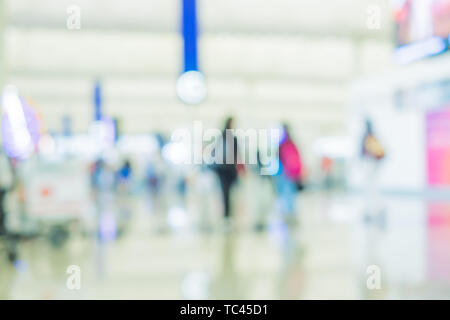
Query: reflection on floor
x=325 y=257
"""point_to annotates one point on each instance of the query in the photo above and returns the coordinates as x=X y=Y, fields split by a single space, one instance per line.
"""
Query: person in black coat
x=3 y=192
x=227 y=171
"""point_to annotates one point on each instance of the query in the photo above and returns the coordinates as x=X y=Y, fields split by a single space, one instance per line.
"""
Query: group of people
x=288 y=180
x=290 y=177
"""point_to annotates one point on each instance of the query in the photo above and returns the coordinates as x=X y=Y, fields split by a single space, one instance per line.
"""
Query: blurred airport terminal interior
x=113 y=121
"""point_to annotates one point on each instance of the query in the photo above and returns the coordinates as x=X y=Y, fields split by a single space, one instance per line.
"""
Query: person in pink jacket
x=288 y=179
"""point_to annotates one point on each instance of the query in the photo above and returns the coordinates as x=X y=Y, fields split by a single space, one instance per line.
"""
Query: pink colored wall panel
x=438 y=147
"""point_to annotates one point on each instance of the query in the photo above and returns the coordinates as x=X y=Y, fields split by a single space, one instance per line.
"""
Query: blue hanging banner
x=191 y=85
x=98 y=101
x=190 y=34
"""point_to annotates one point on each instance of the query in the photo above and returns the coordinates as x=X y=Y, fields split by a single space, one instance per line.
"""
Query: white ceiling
x=324 y=17
x=263 y=59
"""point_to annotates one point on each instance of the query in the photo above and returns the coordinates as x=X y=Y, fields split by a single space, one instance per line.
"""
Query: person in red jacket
x=288 y=178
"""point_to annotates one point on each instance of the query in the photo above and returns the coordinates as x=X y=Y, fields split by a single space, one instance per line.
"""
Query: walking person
x=7 y=184
x=227 y=171
x=372 y=152
x=288 y=180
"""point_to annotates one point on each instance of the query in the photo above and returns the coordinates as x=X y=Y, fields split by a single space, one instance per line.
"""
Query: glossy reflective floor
x=190 y=254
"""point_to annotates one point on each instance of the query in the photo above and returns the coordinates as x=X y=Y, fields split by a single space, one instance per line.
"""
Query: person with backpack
x=288 y=180
x=371 y=146
x=372 y=154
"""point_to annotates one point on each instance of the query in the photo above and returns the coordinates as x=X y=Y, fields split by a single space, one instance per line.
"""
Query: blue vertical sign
x=190 y=34
x=67 y=125
x=98 y=101
x=191 y=86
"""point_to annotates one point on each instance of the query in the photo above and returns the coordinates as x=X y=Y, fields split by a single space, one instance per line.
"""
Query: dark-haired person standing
x=227 y=171
x=6 y=173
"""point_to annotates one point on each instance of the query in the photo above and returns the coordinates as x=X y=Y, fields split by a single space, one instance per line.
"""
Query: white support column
x=2 y=44
x=2 y=54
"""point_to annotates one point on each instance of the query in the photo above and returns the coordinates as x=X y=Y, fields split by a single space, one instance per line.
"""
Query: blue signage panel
x=98 y=101
x=190 y=33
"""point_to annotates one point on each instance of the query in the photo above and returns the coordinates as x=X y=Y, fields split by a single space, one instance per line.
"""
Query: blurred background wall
x=287 y=59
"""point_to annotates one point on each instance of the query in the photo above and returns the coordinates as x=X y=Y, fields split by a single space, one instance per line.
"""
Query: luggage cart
x=57 y=197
